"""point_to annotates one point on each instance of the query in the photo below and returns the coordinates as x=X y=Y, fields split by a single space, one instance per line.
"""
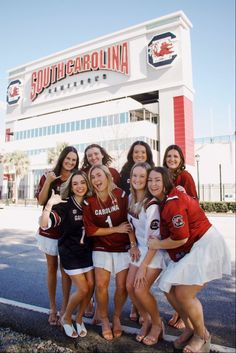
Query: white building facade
x=135 y=84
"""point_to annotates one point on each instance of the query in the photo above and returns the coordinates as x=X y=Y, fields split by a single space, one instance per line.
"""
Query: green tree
x=53 y=153
x=16 y=163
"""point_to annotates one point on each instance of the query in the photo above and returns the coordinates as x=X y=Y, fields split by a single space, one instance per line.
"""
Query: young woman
x=95 y=154
x=197 y=254
x=48 y=239
x=139 y=151
x=145 y=218
x=105 y=220
x=74 y=246
x=174 y=160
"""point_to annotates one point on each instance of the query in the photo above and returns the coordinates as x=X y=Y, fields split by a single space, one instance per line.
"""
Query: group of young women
x=142 y=225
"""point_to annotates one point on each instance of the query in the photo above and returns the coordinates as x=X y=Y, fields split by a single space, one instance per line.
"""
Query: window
x=72 y=126
x=67 y=127
x=58 y=128
x=93 y=122
x=82 y=124
x=63 y=128
x=104 y=120
x=77 y=125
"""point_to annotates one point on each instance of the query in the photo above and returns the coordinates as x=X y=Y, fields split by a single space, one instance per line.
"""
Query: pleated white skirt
x=209 y=259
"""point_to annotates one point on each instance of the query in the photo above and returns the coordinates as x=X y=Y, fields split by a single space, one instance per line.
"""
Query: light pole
x=197 y=158
x=221 y=198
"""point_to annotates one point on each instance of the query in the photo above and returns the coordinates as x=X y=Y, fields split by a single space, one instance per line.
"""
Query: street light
x=197 y=158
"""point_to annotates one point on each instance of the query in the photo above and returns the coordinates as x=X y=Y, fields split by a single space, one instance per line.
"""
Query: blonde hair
x=108 y=175
x=134 y=205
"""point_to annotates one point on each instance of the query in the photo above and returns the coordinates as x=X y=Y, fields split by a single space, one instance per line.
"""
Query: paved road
x=23 y=273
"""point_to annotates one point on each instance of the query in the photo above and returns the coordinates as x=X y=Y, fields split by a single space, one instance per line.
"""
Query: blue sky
x=30 y=30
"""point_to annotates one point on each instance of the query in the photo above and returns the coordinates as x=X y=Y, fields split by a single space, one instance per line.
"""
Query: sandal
x=143 y=332
x=204 y=348
x=89 y=311
x=150 y=340
x=106 y=333
x=69 y=329
x=133 y=313
x=176 y=322
x=53 y=318
x=81 y=329
x=183 y=339
x=117 y=332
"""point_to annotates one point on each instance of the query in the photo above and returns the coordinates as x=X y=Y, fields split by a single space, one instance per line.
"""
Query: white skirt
x=208 y=260
x=158 y=260
x=47 y=245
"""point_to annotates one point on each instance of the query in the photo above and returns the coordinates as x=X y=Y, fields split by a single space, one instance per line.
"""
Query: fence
x=208 y=192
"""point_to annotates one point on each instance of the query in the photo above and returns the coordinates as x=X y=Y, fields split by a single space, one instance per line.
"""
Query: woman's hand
x=55 y=199
x=124 y=227
x=181 y=188
x=140 y=278
x=51 y=176
x=134 y=253
x=153 y=243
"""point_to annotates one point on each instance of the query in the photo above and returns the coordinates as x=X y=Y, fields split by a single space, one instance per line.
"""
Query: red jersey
x=114 y=173
x=51 y=232
x=185 y=179
x=97 y=214
x=181 y=218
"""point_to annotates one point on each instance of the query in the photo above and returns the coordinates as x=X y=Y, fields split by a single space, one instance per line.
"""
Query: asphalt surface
x=23 y=276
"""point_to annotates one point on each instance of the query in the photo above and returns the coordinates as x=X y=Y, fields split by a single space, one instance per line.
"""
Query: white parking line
x=127 y=329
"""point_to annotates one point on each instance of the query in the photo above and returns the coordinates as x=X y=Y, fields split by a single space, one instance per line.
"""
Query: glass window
x=82 y=124
x=32 y=133
x=94 y=122
x=77 y=125
x=21 y=135
x=53 y=129
x=116 y=118
x=49 y=130
x=67 y=127
x=99 y=121
x=36 y=132
x=28 y=134
x=24 y=134
x=44 y=131
x=88 y=121
x=123 y=118
x=72 y=125
x=40 y=131
x=104 y=120
x=63 y=127
x=110 y=119
x=58 y=128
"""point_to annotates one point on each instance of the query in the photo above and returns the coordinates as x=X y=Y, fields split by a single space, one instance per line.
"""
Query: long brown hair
x=181 y=166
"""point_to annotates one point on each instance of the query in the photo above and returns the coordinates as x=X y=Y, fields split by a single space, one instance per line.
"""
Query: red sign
x=114 y=58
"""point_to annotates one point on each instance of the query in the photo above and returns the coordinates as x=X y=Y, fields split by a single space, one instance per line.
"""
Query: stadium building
x=135 y=84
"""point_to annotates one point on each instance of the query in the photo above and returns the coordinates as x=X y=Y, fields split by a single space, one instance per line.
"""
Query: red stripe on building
x=183 y=127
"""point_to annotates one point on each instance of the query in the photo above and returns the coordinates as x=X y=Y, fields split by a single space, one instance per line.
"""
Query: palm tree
x=16 y=162
x=53 y=153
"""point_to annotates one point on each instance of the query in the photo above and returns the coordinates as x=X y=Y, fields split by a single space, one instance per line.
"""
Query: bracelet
x=133 y=244
x=45 y=209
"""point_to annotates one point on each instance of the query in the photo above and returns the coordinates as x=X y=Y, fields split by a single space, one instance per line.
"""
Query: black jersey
x=74 y=246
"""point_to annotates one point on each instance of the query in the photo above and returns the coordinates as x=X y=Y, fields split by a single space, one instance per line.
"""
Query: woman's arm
x=54 y=200
x=43 y=194
x=168 y=243
x=122 y=228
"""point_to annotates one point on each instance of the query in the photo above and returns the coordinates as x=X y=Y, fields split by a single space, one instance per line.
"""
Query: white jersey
x=146 y=223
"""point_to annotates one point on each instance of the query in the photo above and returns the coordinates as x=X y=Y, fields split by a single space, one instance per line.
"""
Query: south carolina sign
x=161 y=50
